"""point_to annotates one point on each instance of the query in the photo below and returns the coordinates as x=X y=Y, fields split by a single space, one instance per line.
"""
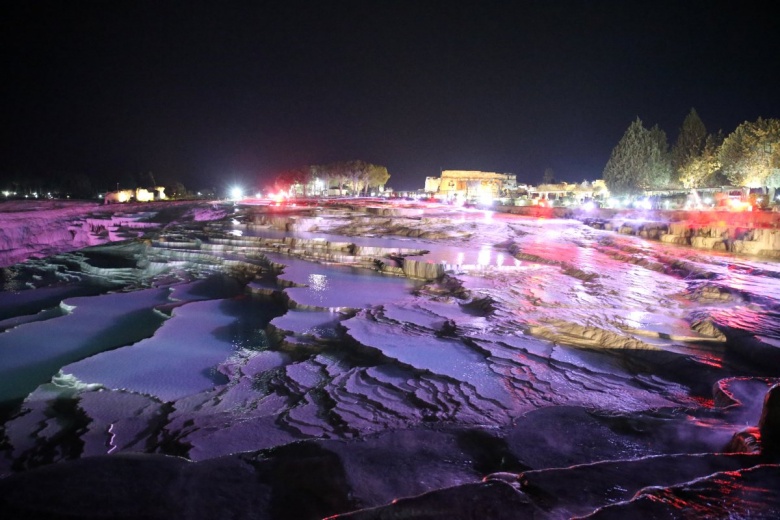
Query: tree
x=639 y=162
x=703 y=170
x=318 y=177
x=302 y=177
x=338 y=173
x=750 y=155
x=357 y=174
x=288 y=180
x=659 y=173
x=549 y=176
x=690 y=142
x=333 y=174
x=377 y=176
x=174 y=189
x=320 y=172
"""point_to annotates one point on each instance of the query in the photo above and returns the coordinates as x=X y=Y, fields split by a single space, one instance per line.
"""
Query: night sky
x=213 y=92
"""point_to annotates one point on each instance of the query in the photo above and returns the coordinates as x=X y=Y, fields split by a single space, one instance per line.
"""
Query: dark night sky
x=211 y=92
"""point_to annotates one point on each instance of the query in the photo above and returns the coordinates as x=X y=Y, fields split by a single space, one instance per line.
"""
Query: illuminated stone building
x=470 y=184
x=138 y=195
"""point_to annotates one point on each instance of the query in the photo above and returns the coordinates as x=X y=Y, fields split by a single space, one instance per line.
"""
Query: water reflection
x=455 y=257
x=484 y=256
x=333 y=287
x=318 y=282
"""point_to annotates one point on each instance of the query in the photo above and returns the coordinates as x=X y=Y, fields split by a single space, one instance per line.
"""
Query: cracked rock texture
x=385 y=362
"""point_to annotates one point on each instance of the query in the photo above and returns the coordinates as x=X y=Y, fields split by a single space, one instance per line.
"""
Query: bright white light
x=589 y=206
x=318 y=282
x=483 y=258
x=236 y=193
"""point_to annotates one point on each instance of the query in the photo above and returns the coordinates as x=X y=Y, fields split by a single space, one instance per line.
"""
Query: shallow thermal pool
x=204 y=352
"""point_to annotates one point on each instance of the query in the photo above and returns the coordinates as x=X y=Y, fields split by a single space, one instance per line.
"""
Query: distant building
x=138 y=195
x=470 y=184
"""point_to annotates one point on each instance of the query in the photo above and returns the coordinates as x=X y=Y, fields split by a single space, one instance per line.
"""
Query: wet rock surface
x=749 y=493
x=751 y=233
x=382 y=362
x=769 y=423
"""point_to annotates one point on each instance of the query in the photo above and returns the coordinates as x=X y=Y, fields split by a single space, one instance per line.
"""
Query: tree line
x=353 y=176
x=77 y=185
x=643 y=161
x=348 y=177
